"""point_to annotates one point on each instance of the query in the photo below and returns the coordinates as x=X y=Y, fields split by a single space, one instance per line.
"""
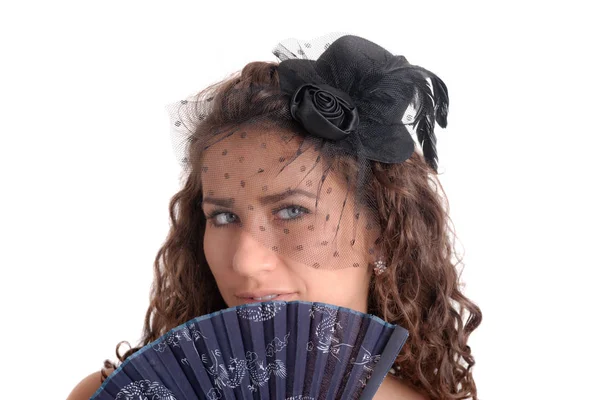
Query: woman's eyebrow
x=275 y=198
x=226 y=203
x=268 y=199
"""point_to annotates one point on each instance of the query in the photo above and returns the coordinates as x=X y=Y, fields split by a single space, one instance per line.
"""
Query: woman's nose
x=251 y=257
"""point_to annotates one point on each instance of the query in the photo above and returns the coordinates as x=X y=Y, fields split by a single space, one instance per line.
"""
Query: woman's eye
x=223 y=218
x=291 y=212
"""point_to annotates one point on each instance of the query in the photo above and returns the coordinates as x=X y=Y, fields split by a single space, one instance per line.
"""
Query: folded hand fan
x=272 y=350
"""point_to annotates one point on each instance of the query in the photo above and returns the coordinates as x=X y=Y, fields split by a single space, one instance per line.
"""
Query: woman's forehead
x=260 y=161
x=256 y=146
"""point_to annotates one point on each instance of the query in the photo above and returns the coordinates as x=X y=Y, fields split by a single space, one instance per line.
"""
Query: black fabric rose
x=324 y=111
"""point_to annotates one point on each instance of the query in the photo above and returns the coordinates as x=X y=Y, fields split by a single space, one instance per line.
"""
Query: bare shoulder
x=395 y=389
x=88 y=386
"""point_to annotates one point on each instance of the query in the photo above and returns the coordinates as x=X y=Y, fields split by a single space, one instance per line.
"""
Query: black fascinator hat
x=362 y=96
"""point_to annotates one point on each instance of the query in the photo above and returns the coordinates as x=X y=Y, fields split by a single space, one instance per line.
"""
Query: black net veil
x=287 y=163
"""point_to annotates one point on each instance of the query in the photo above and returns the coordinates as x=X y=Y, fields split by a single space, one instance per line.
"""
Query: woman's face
x=253 y=236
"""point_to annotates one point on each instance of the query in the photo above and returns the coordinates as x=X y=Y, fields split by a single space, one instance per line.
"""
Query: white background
x=87 y=169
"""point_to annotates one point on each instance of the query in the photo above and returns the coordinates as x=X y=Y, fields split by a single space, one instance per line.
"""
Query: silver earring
x=379 y=267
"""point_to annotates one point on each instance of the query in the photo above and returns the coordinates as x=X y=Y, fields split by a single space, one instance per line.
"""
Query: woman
x=303 y=184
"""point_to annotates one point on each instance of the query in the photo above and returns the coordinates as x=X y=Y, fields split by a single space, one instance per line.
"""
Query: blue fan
x=293 y=350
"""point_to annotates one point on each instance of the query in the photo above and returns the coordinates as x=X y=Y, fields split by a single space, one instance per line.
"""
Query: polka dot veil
x=284 y=155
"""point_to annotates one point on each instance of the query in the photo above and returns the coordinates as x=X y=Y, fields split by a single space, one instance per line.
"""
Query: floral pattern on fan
x=231 y=375
x=327 y=333
x=368 y=362
x=173 y=338
x=195 y=333
x=144 y=389
x=264 y=312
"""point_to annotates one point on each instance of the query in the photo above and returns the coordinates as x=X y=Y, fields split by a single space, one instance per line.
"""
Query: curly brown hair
x=420 y=291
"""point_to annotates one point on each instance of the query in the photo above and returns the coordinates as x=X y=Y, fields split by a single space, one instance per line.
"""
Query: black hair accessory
x=357 y=88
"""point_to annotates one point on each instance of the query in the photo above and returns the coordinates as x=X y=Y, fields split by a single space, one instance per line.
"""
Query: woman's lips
x=279 y=297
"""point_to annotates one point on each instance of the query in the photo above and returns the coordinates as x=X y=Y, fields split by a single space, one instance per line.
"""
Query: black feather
x=431 y=105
